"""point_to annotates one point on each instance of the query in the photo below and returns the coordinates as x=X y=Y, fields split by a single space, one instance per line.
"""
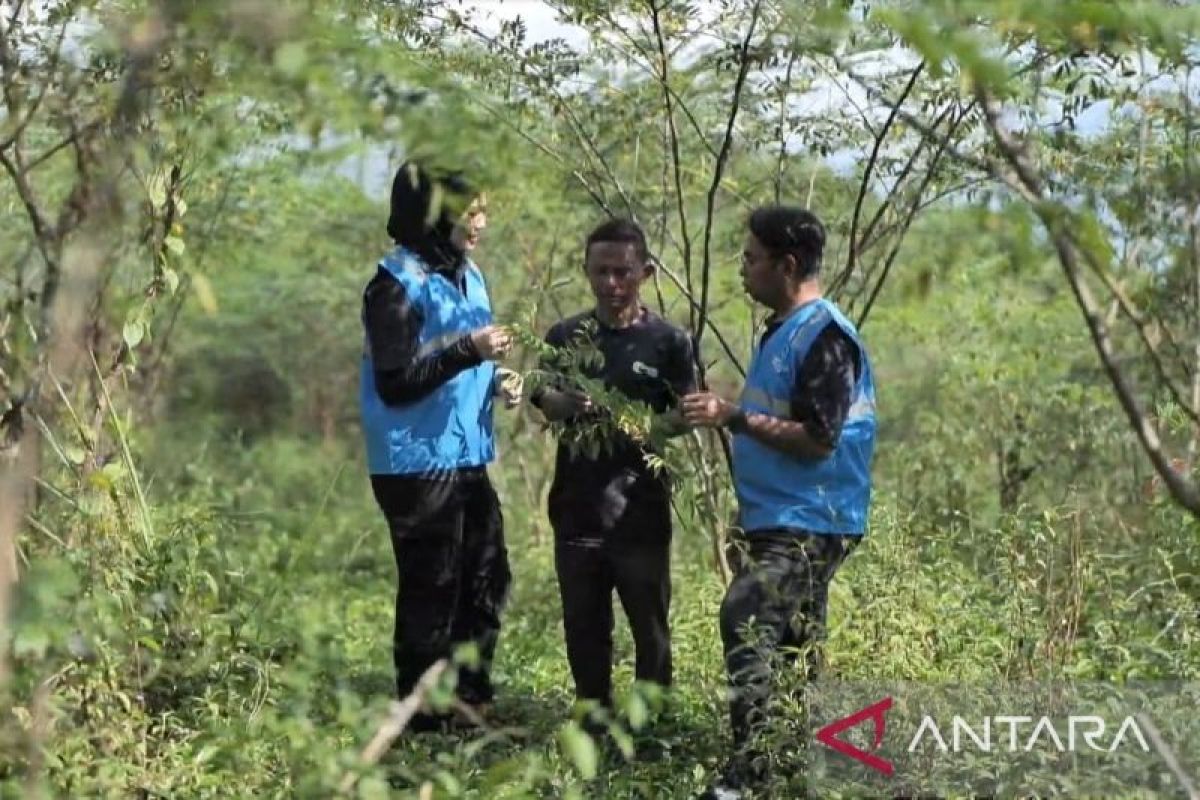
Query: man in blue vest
x=803 y=438
x=426 y=393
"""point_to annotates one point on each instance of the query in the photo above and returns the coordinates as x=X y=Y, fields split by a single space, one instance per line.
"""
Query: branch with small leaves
x=611 y=418
x=1018 y=171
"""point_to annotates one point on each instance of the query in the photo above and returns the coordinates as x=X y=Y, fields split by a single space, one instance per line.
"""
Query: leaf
x=150 y=643
x=204 y=293
x=291 y=58
x=100 y=480
x=156 y=189
x=75 y=454
x=1094 y=240
x=206 y=753
x=623 y=740
x=373 y=786
x=133 y=332
x=175 y=245
x=31 y=642
x=467 y=655
x=580 y=749
x=171 y=279
x=637 y=710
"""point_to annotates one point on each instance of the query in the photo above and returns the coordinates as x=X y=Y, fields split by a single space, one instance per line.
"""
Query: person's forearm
x=421 y=376
x=779 y=434
x=403 y=374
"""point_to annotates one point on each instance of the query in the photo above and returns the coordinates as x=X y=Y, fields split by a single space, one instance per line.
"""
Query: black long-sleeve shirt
x=614 y=494
x=393 y=325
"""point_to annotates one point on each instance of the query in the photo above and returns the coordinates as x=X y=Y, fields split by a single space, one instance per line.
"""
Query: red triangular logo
x=828 y=735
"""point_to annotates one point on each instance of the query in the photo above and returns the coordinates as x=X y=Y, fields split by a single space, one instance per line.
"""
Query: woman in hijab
x=426 y=395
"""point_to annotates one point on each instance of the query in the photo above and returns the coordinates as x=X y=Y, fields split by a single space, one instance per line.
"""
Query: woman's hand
x=492 y=343
x=509 y=385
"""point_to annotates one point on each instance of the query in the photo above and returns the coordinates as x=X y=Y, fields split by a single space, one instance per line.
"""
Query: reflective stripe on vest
x=863 y=407
x=439 y=343
x=757 y=397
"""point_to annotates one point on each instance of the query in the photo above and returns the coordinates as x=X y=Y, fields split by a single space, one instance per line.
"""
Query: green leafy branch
x=617 y=418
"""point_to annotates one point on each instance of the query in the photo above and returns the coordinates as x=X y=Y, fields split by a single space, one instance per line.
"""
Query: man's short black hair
x=790 y=230
x=622 y=231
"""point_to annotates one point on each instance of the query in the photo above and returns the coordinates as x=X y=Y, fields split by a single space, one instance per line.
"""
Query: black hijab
x=415 y=224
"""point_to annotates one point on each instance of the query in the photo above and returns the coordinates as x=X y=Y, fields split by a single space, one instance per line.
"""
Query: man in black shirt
x=610 y=512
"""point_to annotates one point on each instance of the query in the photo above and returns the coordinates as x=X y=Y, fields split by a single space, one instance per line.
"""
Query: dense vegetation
x=195 y=584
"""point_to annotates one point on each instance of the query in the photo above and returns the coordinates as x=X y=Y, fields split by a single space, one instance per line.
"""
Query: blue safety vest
x=451 y=427
x=777 y=490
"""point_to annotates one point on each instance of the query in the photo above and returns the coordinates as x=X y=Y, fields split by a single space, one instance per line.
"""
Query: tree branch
x=783 y=93
x=718 y=170
x=676 y=163
x=862 y=112
x=44 y=235
x=556 y=156
x=924 y=128
x=1168 y=756
x=867 y=240
x=908 y=220
x=649 y=70
x=49 y=70
x=9 y=66
x=401 y=714
x=711 y=326
x=71 y=139
x=852 y=256
x=1023 y=178
x=942 y=195
x=1140 y=322
x=569 y=115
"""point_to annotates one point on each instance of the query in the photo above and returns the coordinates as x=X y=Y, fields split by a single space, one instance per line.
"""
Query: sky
x=541 y=20
x=542 y=24
x=825 y=98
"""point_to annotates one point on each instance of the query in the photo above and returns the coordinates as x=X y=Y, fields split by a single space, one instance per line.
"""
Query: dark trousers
x=588 y=572
x=448 y=538
x=774 y=614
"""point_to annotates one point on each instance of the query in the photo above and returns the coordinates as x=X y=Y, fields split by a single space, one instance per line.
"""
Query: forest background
x=195 y=585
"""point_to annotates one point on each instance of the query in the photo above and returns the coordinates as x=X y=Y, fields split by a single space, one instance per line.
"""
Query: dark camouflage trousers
x=773 y=615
